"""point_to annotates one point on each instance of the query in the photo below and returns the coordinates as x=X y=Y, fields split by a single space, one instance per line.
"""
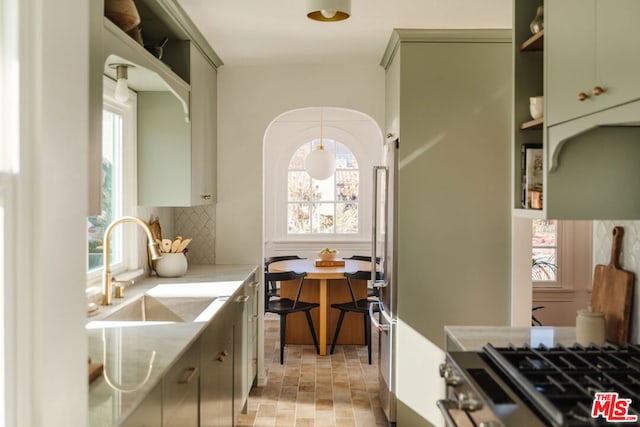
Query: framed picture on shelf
x=532 y=175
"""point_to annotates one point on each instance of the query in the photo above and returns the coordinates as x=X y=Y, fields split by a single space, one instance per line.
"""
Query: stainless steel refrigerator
x=384 y=246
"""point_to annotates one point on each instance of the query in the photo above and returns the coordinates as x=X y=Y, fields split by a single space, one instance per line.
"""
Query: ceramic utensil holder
x=171 y=265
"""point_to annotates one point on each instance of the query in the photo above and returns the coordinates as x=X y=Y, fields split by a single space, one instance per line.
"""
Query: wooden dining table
x=326 y=286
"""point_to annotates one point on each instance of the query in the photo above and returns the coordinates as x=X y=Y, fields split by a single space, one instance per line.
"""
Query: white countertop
x=127 y=350
x=473 y=338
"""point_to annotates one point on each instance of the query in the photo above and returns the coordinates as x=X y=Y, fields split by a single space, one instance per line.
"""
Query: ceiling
x=253 y=32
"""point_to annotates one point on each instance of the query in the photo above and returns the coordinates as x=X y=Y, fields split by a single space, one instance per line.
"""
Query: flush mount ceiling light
x=122 y=89
x=328 y=10
x=320 y=163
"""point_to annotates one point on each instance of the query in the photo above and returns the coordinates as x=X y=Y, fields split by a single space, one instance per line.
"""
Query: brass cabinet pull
x=242 y=299
x=190 y=374
x=220 y=358
x=225 y=353
x=598 y=90
x=206 y=197
x=582 y=96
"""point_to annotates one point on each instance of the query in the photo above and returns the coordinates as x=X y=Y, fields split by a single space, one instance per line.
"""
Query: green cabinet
x=149 y=412
x=176 y=158
x=216 y=378
x=180 y=390
x=593 y=56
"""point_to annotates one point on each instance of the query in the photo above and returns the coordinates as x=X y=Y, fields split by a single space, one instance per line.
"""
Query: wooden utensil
x=183 y=245
x=176 y=244
x=613 y=292
x=166 y=245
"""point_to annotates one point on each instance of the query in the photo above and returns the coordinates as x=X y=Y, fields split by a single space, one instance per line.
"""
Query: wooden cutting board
x=613 y=293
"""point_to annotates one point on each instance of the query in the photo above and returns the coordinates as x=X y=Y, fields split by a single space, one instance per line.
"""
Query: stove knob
x=468 y=402
x=449 y=375
x=444 y=367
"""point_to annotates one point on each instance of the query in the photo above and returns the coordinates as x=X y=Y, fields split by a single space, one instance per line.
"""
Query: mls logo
x=611 y=408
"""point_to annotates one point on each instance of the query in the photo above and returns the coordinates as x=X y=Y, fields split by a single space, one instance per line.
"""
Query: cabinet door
x=203 y=129
x=180 y=390
x=590 y=44
x=618 y=51
x=216 y=377
x=569 y=48
x=149 y=412
x=164 y=151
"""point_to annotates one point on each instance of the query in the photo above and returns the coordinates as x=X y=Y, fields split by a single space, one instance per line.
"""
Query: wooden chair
x=355 y=306
x=285 y=306
x=272 y=290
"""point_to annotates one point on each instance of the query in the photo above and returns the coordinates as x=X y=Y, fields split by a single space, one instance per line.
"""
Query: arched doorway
x=289 y=136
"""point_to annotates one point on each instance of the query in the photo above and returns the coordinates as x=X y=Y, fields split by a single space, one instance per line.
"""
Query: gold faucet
x=106 y=271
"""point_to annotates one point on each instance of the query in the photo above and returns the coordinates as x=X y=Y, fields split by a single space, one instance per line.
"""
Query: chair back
x=284 y=276
x=363 y=258
x=358 y=275
x=273 y=259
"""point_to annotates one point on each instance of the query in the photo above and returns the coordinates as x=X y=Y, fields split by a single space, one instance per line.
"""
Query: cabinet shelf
x=532 y=124
x=533 y=43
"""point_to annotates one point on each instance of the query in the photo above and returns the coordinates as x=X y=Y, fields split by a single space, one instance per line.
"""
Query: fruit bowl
x=328 y=254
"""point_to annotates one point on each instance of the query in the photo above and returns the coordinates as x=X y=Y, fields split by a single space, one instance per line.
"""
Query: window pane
x=299 y=218
x=544 y=232
x=299 y=186
x=323 y=218
x=347 y=218
x=347 y=185
x=324 y=191
x=544 y=243
x=111 y=194
x=345 y=158
x=297 y=160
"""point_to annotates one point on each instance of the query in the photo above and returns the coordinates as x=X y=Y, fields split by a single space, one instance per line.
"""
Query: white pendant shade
x=320 y=163
x=328 y=10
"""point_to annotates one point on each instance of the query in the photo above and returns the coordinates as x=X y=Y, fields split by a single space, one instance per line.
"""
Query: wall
x=629 y=260
x=46 y=348
x=249 y=99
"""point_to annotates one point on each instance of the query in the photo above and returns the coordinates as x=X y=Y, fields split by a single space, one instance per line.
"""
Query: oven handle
x=444 y=405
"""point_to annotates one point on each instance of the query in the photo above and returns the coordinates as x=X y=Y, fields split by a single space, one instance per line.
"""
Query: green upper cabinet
x=176 y=158
x=593 y=54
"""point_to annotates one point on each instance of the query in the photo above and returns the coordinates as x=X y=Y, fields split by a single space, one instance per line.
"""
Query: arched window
x=329 y=206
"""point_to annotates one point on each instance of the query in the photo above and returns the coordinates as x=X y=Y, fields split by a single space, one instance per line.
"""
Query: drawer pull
x=253 y=284
x=242 y=299
x=206 y=197
x=190 y=374
x=598 y=90
x=582 y=96
x=225 y=353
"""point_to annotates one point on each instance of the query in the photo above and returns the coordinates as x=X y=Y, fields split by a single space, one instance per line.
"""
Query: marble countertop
x=472 y=338
x=126 y=351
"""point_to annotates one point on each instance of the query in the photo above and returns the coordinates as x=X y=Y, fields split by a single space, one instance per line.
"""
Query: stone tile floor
x=339 y=390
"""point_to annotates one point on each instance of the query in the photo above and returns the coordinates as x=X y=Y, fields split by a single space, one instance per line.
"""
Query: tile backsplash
x=198 y=222
x=629 y=260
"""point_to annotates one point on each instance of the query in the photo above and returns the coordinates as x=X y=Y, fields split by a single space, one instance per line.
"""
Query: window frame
x=334 y=201
x=128 y=111
x=561 y=247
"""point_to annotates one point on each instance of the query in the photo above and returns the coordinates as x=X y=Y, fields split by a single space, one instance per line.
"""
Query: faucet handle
x=118 y=286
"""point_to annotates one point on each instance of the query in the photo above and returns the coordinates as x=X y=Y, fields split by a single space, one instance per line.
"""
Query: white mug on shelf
x=536 y=106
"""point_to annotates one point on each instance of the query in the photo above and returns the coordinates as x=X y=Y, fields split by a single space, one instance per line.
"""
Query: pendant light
x=328 y=10
x=122 y=89
x=320 y=163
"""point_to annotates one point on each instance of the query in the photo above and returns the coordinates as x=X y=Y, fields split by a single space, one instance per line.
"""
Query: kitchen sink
x=153 y=309
x=150 y=310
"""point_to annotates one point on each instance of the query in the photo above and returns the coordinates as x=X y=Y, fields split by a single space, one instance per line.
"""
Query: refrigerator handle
x=374 y=221
x=379 y=326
